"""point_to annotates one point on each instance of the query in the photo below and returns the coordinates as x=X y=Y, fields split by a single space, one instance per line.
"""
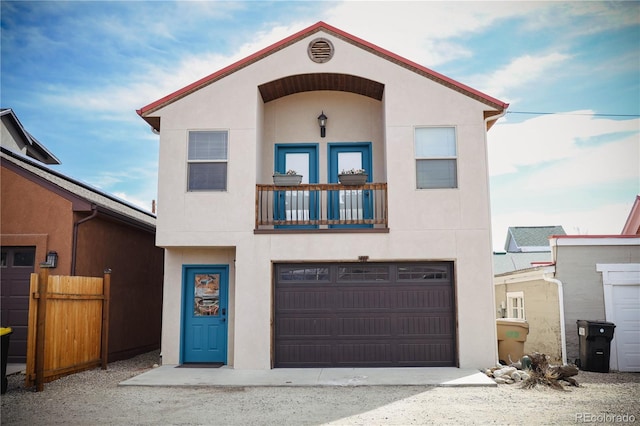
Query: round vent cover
x=320 y=50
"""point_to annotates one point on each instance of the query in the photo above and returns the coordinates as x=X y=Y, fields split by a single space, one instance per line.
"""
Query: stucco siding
x=30 y=209
x=584 y=294
x=542 y=313
x=425 y=225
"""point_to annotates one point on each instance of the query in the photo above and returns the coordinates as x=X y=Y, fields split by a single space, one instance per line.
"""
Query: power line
x=572 y=113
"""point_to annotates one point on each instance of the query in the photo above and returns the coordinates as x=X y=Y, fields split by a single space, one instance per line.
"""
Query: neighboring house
x=44 y=211
x=530 y=239
x=600 y=277
x=16 y=138
x=632 y=225
x=528 y=294
x=589 y=277
x=396 y=272
x=525 y=247
x=519 y=276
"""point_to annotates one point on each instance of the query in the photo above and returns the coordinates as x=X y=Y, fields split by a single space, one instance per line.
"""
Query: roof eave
x=145 y=111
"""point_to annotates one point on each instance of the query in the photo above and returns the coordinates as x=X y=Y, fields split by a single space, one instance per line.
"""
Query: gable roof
x=85 y=196
x=33 y=148
x=511 y=262
x=530 y=238
x=632 y=225
x=146 y=111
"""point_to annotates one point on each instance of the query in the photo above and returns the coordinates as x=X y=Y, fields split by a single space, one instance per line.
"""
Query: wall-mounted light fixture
x=322 y=122
x=52 y=260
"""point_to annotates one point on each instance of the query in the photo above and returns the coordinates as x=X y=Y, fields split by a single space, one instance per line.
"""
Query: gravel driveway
x=94 y=398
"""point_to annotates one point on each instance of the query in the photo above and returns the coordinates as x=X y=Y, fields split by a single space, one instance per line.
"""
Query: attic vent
x=320 y=50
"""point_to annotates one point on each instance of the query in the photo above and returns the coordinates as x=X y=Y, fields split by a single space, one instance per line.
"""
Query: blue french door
x=204 y=313
x=297 y=206
x=350 y=204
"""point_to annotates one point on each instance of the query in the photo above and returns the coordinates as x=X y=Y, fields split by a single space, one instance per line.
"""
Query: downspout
x=563 y=337
x=74 y=248
x=486 y=161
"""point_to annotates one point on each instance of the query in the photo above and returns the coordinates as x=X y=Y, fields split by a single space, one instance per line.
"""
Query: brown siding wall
x=136 y=282
x=34 y=216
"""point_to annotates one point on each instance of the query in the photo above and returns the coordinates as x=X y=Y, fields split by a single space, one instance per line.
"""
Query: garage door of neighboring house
x=621 y=284
x=17 y=264
x=364 y=315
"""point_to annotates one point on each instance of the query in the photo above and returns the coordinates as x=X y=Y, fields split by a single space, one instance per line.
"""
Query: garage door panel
x=314 y=355
x=437 y=296
x=420 y=325
x=304 y=299
x=372 y=326
x=307 y=326
x=363 y=354
x=364 y=298
x=365 y=315
x=438 y=353
x=627 y=332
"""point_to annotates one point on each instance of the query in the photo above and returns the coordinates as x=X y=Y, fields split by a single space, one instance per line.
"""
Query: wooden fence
x=68 y=326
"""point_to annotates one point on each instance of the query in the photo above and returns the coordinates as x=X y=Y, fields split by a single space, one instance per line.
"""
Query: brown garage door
x=364 y=315
x=17 y=264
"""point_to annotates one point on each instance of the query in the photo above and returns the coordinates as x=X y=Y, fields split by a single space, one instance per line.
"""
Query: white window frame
x=208 y=161
x=419 y=158
x=515 y=296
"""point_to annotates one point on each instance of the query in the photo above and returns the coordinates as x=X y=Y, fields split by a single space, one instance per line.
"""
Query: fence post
x=43 y=284
x=106 y=292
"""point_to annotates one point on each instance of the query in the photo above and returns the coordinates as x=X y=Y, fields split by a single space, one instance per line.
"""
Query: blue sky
x=75 y=73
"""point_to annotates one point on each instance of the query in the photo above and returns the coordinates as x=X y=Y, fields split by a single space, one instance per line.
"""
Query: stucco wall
x=542 y=313
x=583 y=288
x=35 y=216
x=441 y=224
x=174 y=260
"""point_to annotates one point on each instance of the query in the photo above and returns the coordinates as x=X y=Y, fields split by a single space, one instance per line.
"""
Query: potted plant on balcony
x=290 y=178
x=353 y=177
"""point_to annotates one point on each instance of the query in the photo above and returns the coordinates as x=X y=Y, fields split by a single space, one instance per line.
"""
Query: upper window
x=515 y=305
x=436 y=158
x=207 y=161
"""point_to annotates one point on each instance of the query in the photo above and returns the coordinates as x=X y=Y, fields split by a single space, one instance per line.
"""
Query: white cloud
x=136 y=201
x=423 y=32
x=519 y=72
x=612 y=162
x=548 y=138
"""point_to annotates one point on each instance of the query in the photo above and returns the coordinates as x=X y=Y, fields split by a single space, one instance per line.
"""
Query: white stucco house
x=396 y=271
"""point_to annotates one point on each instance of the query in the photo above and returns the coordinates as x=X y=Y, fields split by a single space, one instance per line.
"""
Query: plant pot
x=353 y=179
x=287 y=180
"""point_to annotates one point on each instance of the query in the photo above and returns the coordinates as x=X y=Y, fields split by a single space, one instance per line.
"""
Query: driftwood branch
x=543 y=374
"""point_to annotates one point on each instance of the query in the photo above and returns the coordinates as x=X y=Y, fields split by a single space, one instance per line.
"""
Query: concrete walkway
x=171 y=375
x=15 y=368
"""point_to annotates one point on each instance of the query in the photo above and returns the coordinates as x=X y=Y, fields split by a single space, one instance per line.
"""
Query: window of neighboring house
x=515 y=305
x=207 y=161
x=436 y=157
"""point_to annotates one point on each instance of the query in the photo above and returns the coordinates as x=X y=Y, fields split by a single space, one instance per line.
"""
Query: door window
x=206 y=300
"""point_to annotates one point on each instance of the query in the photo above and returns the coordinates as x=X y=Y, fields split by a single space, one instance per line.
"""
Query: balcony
x=321 y=208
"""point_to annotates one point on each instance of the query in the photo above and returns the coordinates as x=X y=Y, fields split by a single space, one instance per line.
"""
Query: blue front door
x=350 y=204
x=204 y=313
x=297 y=206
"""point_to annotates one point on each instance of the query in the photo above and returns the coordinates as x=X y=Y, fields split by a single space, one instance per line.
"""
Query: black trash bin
x=5 y=334
x=595 y=345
